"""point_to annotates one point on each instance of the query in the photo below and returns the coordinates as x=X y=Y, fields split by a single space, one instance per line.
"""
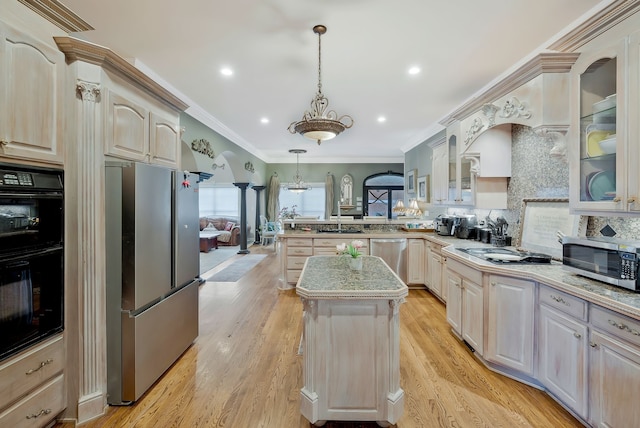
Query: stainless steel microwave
x=609 y=260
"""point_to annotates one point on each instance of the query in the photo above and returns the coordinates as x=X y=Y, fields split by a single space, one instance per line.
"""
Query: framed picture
x=422 y=188
x=412 y=183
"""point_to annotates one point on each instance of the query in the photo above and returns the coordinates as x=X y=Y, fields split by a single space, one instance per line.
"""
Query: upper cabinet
x=141 y=118
x=605 y=153
x=31 y=98
x=599 y=176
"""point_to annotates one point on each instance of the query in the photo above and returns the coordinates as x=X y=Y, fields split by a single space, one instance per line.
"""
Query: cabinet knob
x=577 y=335
x=493 y=283
x=3 y=143
x=593 y=344
x=631 y=200
x=617 y=199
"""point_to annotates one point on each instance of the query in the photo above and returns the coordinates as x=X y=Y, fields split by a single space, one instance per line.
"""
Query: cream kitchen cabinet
x=32 y=88
x=440 y=170
x=296 y=251
x=563 y=348
x=327 y=246
x=32 y=390
x=416 y=261
x=135 y=133
x=465 y=303
x=435 y=271
x=614 y=372
x=510 y=317
x=605 y=153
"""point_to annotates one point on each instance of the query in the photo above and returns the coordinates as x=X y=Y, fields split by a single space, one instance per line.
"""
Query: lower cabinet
x=435 y=271
x=510 y=338
x=563 y=350
x=614 y=371
x=416 y=262
x=465 y=304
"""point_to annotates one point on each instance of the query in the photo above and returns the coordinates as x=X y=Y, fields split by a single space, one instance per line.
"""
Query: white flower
x=340 y=248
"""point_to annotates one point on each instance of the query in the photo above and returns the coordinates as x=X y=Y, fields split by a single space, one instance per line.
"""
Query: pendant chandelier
x=298 y=185
x=319 y=124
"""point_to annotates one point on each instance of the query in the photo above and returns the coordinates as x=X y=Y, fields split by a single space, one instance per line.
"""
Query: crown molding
x=58 y=14
x=600 y=22
x=80 y=50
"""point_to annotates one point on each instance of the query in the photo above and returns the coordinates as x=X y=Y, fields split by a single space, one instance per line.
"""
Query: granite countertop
x=329 y=277
x=617 y=299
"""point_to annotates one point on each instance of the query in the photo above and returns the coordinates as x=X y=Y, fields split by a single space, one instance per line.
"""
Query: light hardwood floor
x=243 y=371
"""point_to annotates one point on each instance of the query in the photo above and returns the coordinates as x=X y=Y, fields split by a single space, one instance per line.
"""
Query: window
x=382 y=191
x=219 y=201
x=308 y=203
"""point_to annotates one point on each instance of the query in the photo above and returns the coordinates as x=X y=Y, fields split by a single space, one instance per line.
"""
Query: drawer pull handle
x=622 y=326
x=577 y=335
x=559 y=300
x=593 y=345
x=40 y=413
x=42 y=364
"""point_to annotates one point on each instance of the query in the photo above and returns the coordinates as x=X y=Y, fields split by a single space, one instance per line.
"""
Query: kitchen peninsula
x=351 y=345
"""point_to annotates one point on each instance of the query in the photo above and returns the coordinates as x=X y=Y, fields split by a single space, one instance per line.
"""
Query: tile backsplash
x=538 y=174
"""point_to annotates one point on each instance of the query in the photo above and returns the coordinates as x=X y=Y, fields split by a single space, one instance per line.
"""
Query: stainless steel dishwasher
x=394 y=252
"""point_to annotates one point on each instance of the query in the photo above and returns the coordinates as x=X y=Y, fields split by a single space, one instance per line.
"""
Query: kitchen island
x=351 y=345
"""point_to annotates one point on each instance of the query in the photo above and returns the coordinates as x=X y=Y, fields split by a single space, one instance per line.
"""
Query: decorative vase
x=355 y=263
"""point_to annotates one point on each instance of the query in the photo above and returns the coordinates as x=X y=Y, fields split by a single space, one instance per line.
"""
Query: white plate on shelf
x=602 y=186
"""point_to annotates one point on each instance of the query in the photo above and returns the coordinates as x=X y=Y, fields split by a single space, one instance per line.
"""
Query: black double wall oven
x=31 y=256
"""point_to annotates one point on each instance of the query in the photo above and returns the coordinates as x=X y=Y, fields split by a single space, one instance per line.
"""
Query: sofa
x=227 y=227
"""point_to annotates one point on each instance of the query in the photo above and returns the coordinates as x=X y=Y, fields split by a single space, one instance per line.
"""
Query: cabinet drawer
x=324 y=251
x=619 y=325
x=293 y=275
x=333 y=242
x=38 y=408
x=436 y=248
x=566 y=303
x=299 y=251
x=299 y=242
x=295 y=262
x=21 y=374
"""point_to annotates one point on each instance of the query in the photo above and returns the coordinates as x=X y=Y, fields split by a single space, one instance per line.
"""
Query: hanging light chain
x=319 y=31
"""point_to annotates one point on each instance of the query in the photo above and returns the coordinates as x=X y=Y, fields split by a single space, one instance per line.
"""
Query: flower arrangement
x=353 y=249
x=285 y=213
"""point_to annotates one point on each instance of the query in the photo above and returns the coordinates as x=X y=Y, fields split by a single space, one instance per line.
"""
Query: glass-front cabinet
x=602 y=171
x=452 y=180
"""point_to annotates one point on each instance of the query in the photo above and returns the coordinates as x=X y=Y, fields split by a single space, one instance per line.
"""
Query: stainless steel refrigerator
x=152 y=261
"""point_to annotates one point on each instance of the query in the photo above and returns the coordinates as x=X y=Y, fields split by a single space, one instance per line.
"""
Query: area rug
x=214 y=257
x=237 y=269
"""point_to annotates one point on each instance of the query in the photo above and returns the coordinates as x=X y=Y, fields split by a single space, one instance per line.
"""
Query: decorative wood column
x=88 y=193
x=258 y=189
x=243 y=217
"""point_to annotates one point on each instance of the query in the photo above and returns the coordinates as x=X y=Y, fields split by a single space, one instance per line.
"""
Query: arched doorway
x=381 y=192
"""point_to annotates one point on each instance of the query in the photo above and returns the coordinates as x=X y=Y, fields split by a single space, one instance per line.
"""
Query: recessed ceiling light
x=264 y=120
x=382 y=119
x=414 y=70
x=226 y=71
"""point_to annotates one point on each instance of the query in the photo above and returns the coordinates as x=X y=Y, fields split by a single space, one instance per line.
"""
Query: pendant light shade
x=297 y=185
x=319 y=123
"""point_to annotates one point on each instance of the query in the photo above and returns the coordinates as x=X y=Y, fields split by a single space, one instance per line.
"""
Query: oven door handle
x=15 y=260
x=43 y=195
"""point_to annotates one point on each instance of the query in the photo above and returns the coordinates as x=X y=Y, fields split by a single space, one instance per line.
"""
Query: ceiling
x=460 y=46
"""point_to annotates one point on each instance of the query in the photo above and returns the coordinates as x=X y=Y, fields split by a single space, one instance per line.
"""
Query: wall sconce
x=214 y=166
